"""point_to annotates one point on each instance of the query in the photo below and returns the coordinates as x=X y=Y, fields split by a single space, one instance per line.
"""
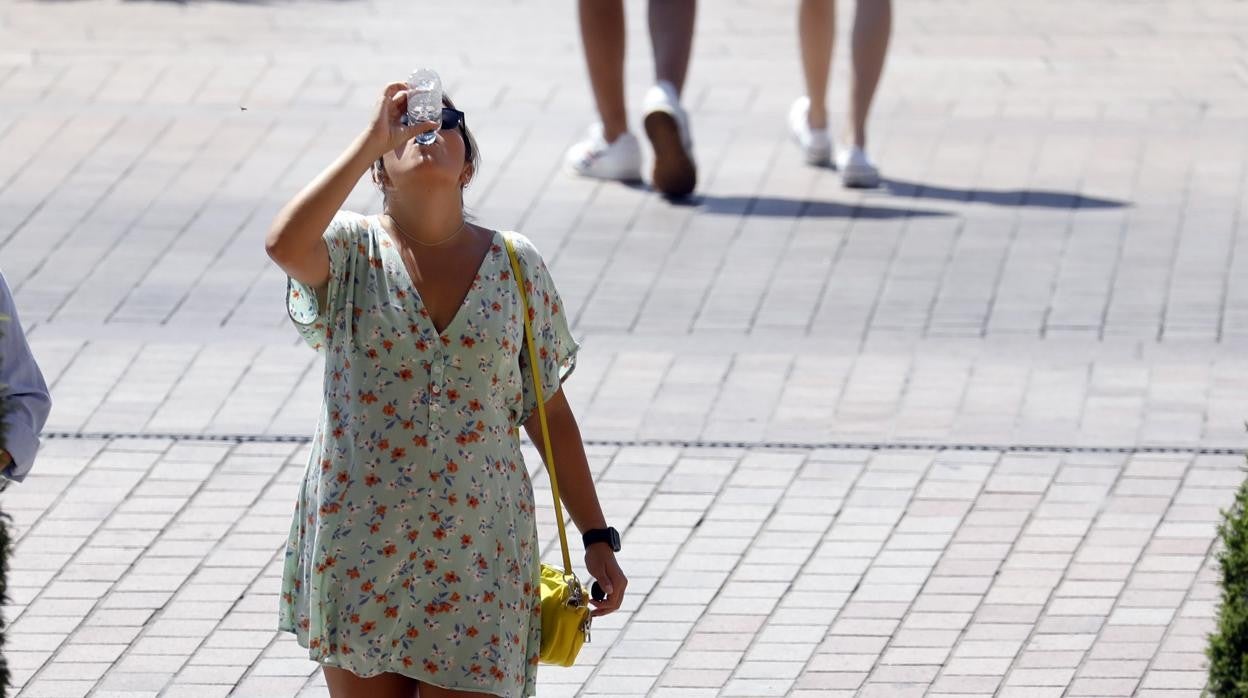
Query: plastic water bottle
x=424 y=101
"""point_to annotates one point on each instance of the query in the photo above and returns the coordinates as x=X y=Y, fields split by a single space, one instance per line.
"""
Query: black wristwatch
x=607 y=535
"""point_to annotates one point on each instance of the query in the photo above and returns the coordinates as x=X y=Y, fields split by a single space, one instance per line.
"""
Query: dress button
x=436 y=390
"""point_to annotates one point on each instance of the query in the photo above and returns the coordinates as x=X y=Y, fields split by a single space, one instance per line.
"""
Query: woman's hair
x=471 y=154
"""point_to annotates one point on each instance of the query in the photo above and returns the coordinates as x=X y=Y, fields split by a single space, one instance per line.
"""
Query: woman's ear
x=466 y=175
x=380 y=178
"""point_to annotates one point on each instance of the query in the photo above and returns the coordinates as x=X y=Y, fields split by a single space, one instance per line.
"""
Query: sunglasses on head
x=451 y=119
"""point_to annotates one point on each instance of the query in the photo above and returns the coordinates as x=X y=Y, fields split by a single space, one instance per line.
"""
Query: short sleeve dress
x=413 y=547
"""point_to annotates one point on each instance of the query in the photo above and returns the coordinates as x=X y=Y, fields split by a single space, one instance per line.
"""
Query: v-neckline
x=423 y=310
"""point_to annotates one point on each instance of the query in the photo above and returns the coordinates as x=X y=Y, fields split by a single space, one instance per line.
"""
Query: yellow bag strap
x=541 y=402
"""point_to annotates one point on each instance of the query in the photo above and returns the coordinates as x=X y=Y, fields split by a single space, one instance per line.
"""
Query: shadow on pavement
x=1023 y=198
x=779 y=207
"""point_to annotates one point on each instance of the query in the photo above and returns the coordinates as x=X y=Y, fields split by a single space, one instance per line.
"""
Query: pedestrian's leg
x=602 y=33
x=428 y=690
x=873 y=20
x=671 y=37
x=608 y=151
x=816 y=27
x=344 y=684
x=667 y=124
x=808 y=115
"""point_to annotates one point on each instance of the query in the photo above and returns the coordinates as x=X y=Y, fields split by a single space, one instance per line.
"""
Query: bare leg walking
x=671 y=38
x=873 y=22
x=609 y=151
x=808 y=117
x=602 y=35
x=816 y=27
x=667 y=124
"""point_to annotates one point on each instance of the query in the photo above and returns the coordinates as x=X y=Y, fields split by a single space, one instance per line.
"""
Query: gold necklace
x=463 y=224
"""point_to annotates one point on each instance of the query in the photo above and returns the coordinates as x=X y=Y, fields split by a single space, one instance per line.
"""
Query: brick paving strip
x=149 y=564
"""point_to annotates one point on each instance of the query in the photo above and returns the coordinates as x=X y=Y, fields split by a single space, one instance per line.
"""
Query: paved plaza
x=968 y=434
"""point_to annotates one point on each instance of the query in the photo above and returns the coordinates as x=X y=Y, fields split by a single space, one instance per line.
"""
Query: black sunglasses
x=451 y=119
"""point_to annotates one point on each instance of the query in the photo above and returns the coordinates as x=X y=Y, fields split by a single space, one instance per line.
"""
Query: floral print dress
x=413 y=547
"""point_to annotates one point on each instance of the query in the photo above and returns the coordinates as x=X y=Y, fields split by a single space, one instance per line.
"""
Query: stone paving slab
x=1045 y=206
x=152 y=565
x=966 y=435
x=765 y=390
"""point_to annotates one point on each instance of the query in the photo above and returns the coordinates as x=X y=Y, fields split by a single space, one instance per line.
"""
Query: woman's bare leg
x=602 y=33
x=344 y=684
x=873 y=22
x=671 y=38
x=816 y=28
x=428 y=691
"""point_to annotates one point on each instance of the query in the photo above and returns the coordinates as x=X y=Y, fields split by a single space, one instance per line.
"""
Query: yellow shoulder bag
x=565 y=608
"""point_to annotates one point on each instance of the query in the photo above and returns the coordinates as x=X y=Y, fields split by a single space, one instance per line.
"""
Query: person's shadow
x=1021 y=198
x=782 y=207
x=892 y=190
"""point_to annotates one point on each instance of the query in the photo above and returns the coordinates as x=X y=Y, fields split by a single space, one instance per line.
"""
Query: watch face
x=614 y=537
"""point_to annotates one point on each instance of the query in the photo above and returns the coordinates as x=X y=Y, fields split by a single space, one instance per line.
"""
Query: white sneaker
x=595 y=157
x=667 y=125
x=815 y=143
x=856 y=168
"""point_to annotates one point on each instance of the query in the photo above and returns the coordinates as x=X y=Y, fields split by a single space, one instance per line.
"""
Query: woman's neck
x=434 y=220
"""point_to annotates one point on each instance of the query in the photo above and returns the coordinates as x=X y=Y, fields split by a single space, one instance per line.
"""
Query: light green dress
x=413 y=547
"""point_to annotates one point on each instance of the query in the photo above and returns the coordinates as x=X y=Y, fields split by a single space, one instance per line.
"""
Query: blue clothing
x=26 y=397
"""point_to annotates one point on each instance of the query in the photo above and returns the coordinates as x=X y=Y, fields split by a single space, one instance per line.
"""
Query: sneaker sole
x=674 y=171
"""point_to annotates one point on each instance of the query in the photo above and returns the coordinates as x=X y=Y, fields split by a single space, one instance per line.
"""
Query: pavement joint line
x=705 y=444
x=1127 y=586
x=893 y=532
x=685 y=544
